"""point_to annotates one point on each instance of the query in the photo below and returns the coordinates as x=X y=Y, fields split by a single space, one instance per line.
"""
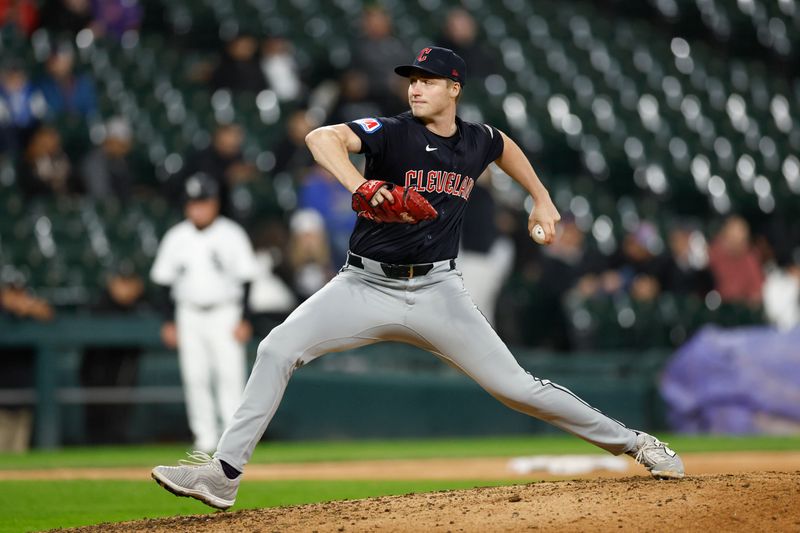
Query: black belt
x=398 y=271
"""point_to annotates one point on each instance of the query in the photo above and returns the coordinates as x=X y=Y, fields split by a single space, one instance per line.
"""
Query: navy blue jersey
x=403 y=151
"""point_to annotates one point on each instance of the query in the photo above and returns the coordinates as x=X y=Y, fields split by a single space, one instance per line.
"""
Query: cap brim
x=406 y=70
x=200 y=198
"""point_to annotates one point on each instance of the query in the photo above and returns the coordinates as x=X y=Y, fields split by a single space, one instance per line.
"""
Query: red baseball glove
x=409 y=206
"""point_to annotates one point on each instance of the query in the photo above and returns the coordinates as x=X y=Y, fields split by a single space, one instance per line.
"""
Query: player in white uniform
x=208 y=263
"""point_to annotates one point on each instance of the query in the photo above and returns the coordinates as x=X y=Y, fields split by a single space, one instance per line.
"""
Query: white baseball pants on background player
x=434 y=312
x=485 y=273
x=213 y=370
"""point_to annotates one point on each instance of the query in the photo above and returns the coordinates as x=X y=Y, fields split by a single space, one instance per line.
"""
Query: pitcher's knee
x=520 y=394
x=514 y=397
x=278 y=349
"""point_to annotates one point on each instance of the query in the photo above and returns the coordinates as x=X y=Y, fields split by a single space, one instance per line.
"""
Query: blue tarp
x=736 y=381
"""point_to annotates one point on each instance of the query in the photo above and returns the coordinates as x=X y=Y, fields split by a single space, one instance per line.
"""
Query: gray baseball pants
x=434 y=312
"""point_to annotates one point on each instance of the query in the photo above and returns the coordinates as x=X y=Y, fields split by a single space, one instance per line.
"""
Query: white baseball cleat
x=200 y=477
x=657 y=458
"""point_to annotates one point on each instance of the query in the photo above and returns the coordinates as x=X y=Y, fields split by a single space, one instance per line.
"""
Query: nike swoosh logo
x=429 y=149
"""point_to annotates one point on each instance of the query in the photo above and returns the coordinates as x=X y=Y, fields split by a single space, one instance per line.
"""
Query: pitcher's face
x=429 y=96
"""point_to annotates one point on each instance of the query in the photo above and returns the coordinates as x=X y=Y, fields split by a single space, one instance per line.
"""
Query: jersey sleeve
x=372 y=132
x=245 y=264
x=164 y=270
x=495 y=145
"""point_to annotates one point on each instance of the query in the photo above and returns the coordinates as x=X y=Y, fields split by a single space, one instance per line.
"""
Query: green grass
x=77 y=503
x=36 y=505
x=284 y=452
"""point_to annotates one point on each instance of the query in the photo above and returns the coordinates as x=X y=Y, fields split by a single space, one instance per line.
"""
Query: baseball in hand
x=537 y=234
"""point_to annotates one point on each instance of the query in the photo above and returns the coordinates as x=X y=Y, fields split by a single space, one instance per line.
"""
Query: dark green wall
x=385 y=390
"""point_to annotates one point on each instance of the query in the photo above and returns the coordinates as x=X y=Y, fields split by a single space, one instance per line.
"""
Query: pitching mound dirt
x=760 y=501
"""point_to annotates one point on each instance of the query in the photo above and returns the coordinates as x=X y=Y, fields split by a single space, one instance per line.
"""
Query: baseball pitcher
x=401 y=282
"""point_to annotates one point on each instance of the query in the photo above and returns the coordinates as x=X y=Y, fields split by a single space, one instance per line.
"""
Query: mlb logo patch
x=369 y=125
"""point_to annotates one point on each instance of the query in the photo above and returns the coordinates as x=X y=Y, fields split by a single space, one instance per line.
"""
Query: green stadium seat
x=541 y=49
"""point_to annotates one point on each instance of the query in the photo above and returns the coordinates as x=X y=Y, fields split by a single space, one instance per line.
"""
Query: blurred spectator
x=67 y=16
x=45 y=169
x=280 y=68
x=239 y=69
x=270 y=293
x=113 y=366
x=734 y=263
x=291 y=154
x=64 y=90
x=321 y=191
x=486 y=255
x=21 y=105
x=354 y=98
x=560 y=278
x=114 y=17
x=687 y=271
x=309 y=253
x=460 y=34
x=223 y=161
x=18 y=302
x=105 y=170
x=645 y=288
x=124 y=291
x=377 y=51
x=24 y=14
x=641 y=263
x=105 y=18
x=782 y=293
x=564 y=266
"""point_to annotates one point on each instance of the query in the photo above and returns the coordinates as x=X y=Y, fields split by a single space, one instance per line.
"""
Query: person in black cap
x=400 y=281
x=105 y=365
x=206 y=263
x=239 y=69
x=221 y=160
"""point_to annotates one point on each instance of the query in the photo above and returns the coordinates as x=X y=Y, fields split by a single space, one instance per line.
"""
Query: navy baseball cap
x=200 y=186
x=441 y=62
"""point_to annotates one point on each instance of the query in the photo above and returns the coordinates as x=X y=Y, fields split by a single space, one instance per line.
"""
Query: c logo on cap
x=423 y=55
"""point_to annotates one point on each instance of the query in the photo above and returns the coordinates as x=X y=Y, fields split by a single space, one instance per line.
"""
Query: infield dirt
x=740 y=501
